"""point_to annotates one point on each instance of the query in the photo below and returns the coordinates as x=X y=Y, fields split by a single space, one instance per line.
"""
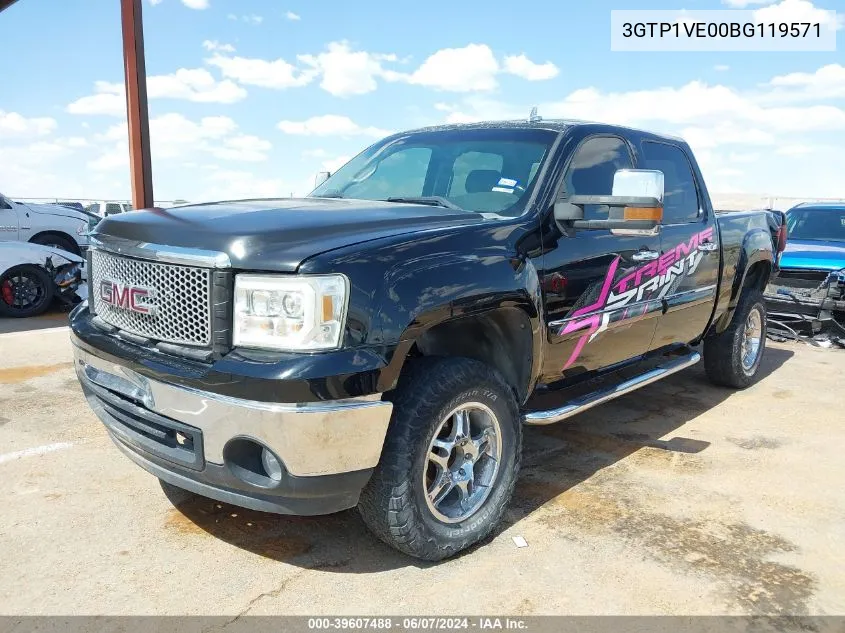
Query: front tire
x=25 y=291
x=732 y=358
x=450 y=459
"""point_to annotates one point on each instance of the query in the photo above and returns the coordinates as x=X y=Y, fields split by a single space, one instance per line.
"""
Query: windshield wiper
x=330 y=194
x=433 y=201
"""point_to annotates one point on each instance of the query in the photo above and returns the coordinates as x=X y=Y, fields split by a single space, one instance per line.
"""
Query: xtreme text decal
x=636 y=293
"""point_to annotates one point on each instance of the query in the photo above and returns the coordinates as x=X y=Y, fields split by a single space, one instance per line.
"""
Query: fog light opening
x=253 y=463
x=272 y=466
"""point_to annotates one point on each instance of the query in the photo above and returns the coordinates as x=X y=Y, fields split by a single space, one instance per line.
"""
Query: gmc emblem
x=125 y=297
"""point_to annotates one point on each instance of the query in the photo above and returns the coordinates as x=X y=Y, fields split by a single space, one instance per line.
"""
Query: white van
x=104 y=208
x=46 y=224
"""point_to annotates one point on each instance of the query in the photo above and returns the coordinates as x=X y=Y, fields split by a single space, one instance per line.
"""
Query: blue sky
x=252 y=97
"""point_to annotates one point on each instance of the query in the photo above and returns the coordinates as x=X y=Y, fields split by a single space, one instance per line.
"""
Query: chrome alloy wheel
x=462 y=462
x=751 y=339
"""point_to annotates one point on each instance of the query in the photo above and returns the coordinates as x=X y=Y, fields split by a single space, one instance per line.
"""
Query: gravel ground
x=680 y=498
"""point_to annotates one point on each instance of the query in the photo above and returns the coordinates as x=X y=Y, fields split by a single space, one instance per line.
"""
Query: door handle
x=645 y=256
x=708 y=247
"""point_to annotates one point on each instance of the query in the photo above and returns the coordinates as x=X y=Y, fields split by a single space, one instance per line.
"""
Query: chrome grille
x=181 y=298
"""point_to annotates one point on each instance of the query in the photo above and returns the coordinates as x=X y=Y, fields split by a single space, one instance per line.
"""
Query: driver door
x=9 y=223
x=595 y=283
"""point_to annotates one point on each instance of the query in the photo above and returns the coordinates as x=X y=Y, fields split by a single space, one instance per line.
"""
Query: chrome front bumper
x=311 y=439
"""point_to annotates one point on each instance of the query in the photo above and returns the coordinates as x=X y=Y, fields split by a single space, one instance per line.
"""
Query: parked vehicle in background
x=46 y=224
x=381 y=342
x=72 y=205
x=104 y=208
x=811 y=280
x=33 y=276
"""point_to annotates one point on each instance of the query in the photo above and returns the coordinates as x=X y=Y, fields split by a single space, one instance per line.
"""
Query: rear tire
x=732 y=358
x=438 y=489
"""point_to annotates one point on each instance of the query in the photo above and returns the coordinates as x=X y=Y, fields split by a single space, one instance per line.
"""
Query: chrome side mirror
x=636 y=202
x=638 y=183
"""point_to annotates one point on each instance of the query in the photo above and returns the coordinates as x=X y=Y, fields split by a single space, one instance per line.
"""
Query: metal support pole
x=136 y=104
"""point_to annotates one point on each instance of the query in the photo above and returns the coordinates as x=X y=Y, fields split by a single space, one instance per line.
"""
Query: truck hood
x=55 y=209
x=277 y=235
x=813 y=254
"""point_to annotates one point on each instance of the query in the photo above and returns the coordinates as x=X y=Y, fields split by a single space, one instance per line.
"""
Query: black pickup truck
x=381 y=342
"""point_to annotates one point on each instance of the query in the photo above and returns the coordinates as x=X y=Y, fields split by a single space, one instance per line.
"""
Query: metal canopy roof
x=137 y=115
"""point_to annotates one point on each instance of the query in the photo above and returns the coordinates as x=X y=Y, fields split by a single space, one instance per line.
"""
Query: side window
x=113 y=207
x=400 y=174
x=592 y=168
x=680 y=198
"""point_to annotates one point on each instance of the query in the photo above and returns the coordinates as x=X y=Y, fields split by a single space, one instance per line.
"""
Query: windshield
x=482 y=170
x=817 y=224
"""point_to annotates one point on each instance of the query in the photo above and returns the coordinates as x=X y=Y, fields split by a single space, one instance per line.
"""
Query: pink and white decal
x=645 y=286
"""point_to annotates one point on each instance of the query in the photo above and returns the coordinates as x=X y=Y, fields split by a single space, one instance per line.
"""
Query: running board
x=598 y=397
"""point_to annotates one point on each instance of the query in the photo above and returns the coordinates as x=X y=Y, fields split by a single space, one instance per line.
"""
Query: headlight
x=290 y=312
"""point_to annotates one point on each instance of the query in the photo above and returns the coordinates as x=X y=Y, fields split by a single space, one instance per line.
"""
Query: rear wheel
x=450 y=459
x=25 y=291
x=732 y=358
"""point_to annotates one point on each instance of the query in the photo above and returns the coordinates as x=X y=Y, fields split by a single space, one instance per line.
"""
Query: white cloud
x=261 y=72
x=467 y=69
x=155 y=2
x=828 y=82
x=14 y=125
x=225 y=184
x=214 y=45
x=721 y=68
x=743 y=157
x=741 y=4
x=243 y=147
x=797 y=11
x=175 y=137
x=521 y=66
x=333 y=164
x=727 y=133
x=195 y=84
x=667 y=108
x=346 y=72
x=293 y=17
x=329 y=125
x=315 y=153
x=251 y=18
x=795 y=150
x=196 y=4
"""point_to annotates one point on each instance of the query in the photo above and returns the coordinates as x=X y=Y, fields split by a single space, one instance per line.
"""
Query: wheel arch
x=46 y=234
x=502 y=338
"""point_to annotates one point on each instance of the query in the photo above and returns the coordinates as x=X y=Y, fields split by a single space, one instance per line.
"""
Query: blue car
x=811 y=280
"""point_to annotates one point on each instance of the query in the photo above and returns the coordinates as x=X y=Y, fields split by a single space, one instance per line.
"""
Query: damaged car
x=808 y=292
x=33 y=276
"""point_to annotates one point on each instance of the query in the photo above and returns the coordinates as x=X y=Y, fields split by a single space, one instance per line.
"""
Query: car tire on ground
x=732 y=358
x=57 y=241
x=450 y=458
x=25 y=291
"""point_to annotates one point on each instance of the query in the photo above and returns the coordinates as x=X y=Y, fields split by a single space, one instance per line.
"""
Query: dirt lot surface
x=680 y=498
